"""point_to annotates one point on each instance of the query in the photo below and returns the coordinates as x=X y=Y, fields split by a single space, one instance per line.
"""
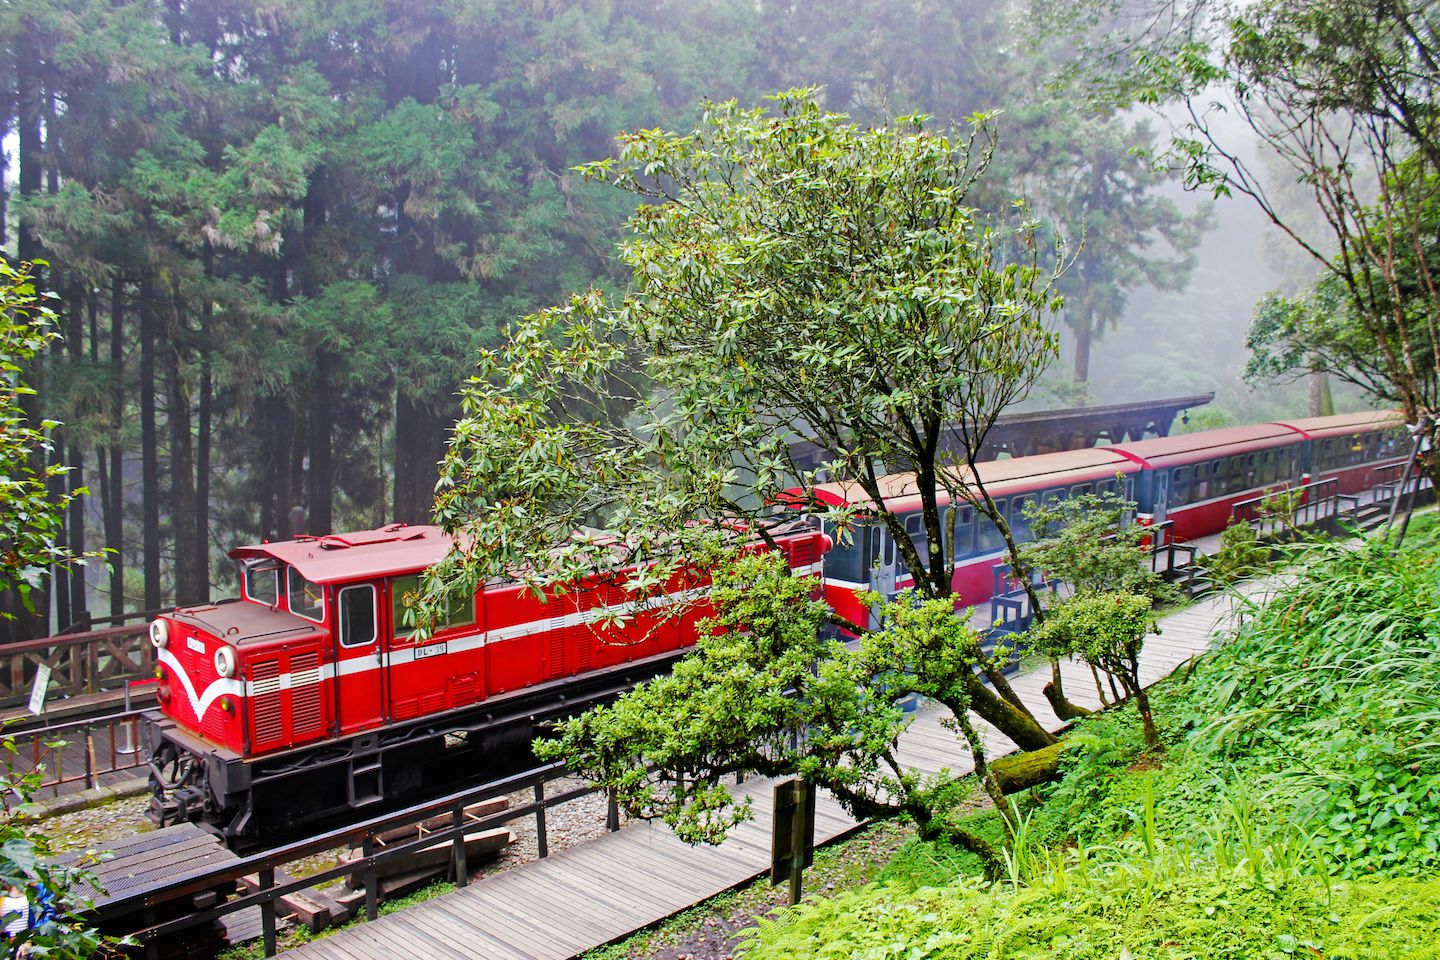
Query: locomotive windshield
x=262 y=582
x=306 y=599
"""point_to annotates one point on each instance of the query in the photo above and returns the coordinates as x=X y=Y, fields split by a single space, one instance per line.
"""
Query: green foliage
x=1090 y=543
x=24 y=863
x=31 y=519
x=1201 y=912
x=1241 y=555
x=764 y=692
x=1296 y=800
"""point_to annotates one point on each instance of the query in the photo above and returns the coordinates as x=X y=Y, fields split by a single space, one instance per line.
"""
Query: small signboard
x=37 y=692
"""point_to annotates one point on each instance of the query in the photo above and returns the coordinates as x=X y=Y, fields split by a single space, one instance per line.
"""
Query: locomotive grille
x=269 y=719
x=802 y=554
x=305 y=693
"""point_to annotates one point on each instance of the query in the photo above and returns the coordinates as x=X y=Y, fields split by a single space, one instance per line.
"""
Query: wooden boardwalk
x=603 y=890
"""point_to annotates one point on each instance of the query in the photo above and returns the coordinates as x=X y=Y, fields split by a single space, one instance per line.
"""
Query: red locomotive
x=308 y=696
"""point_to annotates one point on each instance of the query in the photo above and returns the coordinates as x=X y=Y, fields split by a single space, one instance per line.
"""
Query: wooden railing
x=79 y=753
x=80 y=664
x=265 y=865
x=1315 y=502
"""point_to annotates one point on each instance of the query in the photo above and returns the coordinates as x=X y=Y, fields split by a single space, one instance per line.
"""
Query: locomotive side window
x=1201 y=488
x=846 y=560
x=262 y=583
x=357 y=616
x=306 y=599
x=461 y=613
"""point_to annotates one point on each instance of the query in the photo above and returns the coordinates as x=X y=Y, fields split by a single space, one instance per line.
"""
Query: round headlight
x=159 y=633
x=225 y=662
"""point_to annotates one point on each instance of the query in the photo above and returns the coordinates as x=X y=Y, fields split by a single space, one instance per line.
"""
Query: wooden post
x=792 y=838
x=372 y=892
x=91 y=780
x=462 y=871
x=612 y=814
x=541 y=843
x=267 y=911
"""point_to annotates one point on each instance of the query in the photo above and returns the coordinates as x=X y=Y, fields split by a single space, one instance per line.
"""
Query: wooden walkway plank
x=621 y=882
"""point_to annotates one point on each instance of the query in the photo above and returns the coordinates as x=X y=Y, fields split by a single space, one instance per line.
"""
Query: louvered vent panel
x=585 y=640
x=802 y=554
x=557 y=648
x=432 y=703
x=267 y=717
x=305 y=694
x=462 y=690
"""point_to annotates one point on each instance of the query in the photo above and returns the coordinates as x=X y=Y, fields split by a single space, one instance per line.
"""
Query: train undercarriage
x=270 y=799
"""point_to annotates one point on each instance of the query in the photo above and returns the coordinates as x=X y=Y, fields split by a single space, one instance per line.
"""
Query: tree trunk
x=1062 y=707
x=79 y=607
x=188 y=591
x=320 y=424
x=419 y=447
x=149 y=452
x=115 y=487
x=1084 y=334
x=202 y=442
x=1015 y=723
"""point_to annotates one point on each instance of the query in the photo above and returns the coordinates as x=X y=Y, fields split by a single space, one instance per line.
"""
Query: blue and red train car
x=1193 y=480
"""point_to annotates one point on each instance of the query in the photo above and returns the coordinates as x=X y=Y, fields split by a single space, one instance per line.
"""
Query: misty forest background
x=279 y=231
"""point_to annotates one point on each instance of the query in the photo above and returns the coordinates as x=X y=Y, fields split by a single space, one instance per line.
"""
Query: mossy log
x=1020 y=771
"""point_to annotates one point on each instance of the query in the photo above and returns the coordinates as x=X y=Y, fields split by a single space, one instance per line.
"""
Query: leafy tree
x=1106 y=630
x=1091 y=544
x=30 y=548
x=795 y=276
x=1342 y=93
x=764 y=692
x=30 y=518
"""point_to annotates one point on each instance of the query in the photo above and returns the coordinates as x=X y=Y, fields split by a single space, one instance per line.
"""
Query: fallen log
x=1020 y=771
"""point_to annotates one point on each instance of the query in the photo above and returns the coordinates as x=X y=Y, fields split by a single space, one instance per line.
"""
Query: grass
x=1293 y=809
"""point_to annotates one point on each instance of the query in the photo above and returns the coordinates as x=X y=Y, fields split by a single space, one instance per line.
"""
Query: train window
x=963 y=530
x=357 y=616
x=462 y=610
x=306 y=599
x=1019 y=523
x=1180 y=486
x=1267 y=467
x=846 y=560
x=1080 y=490
x=1106 y=487
x=915 y=527
x=987 y=536
x=1200 y=489
x=262 y=583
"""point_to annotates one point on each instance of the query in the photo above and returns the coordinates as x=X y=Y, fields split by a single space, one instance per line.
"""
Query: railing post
x=91 y=780
x=372 y=894
x=612 y=809
x=462 y=869
x=267 y=911
x=541 y=841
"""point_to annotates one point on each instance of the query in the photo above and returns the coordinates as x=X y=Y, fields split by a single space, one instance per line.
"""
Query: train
x=1190 y=482
x=309 y=698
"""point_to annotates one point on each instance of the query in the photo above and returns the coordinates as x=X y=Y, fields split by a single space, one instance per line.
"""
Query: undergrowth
x=1293 y=808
